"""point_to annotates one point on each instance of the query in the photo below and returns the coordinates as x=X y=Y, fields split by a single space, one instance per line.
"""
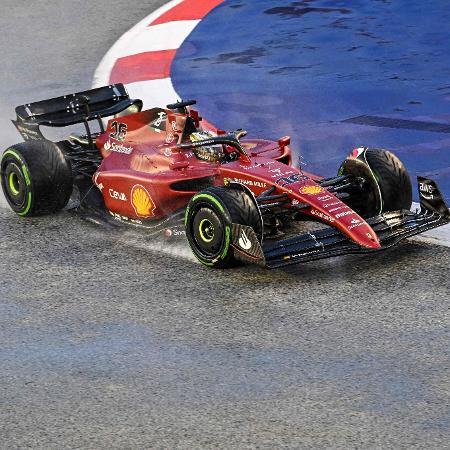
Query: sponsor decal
x=426 y=191
x=118 y=148
x=170 y=138
x=355 y=223
x=311 y=190
x=169 y=232
x=323 y=216
x=167 y=152
x=203 y=143
x=286 y=180
x=324 y=198
x=327 y=205
x=142 y=202
x=162 y=116
x=245 y=182
x=119 y=130
x=159 y=123
x=337 y=208
x=174 y=125
x=244 y=242
x=249 y=145
x=345 y=213
x=277 y=173
x=125 y=218
x=28 y=133
x=117 y=195
x=256 y=165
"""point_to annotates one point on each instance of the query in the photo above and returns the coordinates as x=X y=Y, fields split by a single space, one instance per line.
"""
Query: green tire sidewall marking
x=204 y=238
x=227 y=242
x=26 y=175
x=27 y=209
x=209 y=197
x=227 y=228
x=12 y=183
x=13 y=153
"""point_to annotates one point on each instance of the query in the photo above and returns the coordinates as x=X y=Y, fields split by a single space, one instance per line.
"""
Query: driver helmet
x=212 y=153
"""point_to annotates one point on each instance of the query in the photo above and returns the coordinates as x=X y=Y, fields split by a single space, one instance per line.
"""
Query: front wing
x=391 y=228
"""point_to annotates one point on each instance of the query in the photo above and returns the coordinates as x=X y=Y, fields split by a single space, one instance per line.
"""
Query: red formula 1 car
x=234 y=199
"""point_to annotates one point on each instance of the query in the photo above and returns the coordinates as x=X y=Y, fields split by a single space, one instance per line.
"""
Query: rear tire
x=36 y=178
x=387 y=182
x=208 y=221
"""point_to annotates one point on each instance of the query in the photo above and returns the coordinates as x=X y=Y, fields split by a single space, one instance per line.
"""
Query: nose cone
x=367 y=238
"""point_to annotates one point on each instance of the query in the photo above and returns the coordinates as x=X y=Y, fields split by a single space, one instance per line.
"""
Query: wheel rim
x=208 y=232
x=14 y=183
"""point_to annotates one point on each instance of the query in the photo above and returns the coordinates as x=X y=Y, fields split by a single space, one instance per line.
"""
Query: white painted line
x=165 y=36
x=154 y=92
x=101 y=76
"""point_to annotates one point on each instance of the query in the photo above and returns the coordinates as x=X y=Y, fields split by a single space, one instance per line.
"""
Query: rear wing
x=71 y=109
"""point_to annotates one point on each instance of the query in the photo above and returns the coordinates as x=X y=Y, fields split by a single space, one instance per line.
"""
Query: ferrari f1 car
x=235 y=199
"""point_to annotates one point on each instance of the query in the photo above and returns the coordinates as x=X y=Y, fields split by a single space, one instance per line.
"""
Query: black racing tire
x=388 y=185
x=393 y=179
x=208 y=221
x=36 y=178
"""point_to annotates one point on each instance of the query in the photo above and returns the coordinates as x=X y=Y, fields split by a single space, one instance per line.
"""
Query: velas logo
x=118 y=148
x=142 y=202
x=311 y=190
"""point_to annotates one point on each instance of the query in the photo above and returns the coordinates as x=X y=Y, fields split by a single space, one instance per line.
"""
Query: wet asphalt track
x=108 y=343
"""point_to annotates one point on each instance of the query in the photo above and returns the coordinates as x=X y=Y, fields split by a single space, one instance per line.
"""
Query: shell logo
x=311 y=190
x=141 y=201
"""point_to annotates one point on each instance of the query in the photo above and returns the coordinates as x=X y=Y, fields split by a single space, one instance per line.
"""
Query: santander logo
x=118 y=148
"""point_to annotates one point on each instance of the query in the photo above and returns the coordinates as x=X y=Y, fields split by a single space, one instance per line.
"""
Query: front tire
x=208 y=221
x=387 y=184
x=36 y=178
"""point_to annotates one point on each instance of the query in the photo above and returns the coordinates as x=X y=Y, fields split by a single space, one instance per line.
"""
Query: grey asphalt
x=110 y=340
